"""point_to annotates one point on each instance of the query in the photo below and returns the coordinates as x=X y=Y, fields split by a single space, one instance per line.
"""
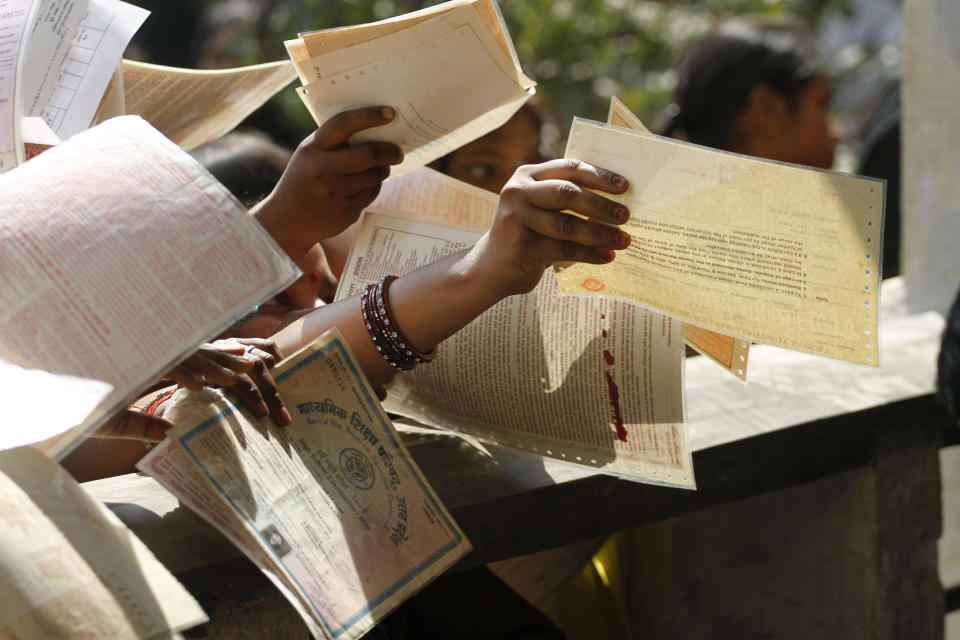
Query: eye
x=480 y=171
x=283 y=298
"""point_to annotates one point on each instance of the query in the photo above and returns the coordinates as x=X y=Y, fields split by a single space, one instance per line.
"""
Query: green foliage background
x=579 y=51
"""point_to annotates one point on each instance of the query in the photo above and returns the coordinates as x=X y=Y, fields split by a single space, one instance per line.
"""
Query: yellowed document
x=730 y=353
x=427 y=195
x=448 y=78
x=192 y=106
x=315 y=43
x=770 y=252
x=333 y=505
x=119 y=255
x=71 y=569
x=597 y=382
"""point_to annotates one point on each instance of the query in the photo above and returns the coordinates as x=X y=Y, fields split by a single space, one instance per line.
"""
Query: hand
x=328 y=181
x=131 y=424
x=241 y=365
x=531 y=232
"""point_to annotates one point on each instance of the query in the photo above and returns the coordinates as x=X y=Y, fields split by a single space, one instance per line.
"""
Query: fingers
x=354 y=183
x=579 y=172
x=130 y=424
x=574 y=230
x=258 y=392
x=561 y=194
x=365 y=155
x=338 y=129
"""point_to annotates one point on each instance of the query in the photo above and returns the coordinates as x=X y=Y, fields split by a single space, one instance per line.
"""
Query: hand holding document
x=120 y=254
x=727 y=351
x=71 y=569
x=770 y=252
x=599 y=381
x=332 y=508
x=192 y=106
x=449 y=71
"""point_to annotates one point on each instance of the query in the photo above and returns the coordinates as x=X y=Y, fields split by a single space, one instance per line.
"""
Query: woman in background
x=756 y=86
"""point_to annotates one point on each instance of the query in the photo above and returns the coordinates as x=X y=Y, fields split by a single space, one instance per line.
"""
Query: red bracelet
x=390 y=342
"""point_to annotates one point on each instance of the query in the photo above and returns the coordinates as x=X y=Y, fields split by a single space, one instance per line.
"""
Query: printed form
x=16 y=16
x=766 y=251
x=332 y=507
x=72 y=570
x=195 y=106
x=102 y=36
x=727 y=351
x=120 y=254
x=449 y=79
x=599 y=381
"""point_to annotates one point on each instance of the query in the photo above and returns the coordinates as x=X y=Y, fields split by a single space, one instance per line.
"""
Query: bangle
x=390 y=342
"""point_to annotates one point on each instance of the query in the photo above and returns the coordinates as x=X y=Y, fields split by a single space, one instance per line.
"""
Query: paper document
x=37 y=136
x=51 y=36
x=16 y=18
x=448 y=77
x=730 y=353
x=71 y=569
x=25 y=391
x=596 y=382
x=103 y=34
x=192 y=106
x=332 y=507
x=119 y=255
x=757 y=249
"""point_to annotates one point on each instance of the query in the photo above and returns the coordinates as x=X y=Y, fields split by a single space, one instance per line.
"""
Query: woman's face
x=810 y=134
x=490 y=161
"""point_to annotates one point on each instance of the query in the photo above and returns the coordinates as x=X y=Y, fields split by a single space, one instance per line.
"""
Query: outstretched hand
x=240 y=365
x=531 y=230
x=328 y=181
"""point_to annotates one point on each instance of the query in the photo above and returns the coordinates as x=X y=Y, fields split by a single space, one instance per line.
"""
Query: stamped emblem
x=592 y=284
x=357 y=468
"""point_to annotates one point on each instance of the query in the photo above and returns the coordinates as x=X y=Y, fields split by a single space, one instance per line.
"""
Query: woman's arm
x=529 y=233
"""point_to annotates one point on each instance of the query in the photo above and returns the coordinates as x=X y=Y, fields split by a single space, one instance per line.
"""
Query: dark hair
x=717 y=72
x=248 y=163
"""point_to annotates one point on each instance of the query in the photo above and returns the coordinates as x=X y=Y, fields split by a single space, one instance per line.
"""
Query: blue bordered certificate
x=332 y=508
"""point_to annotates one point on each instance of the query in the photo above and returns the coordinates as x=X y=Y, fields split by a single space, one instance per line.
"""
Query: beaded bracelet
x=390 y=342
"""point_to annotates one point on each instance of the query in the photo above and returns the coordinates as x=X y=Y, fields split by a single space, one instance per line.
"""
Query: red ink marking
x=314 y=277
x=603 y=316
x=603 y=332
x=615 y=401
x=608 y=356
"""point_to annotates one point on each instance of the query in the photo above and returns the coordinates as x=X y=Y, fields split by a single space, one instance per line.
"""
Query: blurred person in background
x=756 y=86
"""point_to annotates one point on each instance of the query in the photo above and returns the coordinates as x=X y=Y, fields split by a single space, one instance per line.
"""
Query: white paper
x=120 y=254
x=52 y=33
x=15 y=18
x=23 y=419
x=96 y=51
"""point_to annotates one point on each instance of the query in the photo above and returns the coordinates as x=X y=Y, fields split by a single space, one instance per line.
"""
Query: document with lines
x=332 y=508
x=727 y=351
x=449 y=72
x=595 y=382
x=762 y=250
x=88 y=230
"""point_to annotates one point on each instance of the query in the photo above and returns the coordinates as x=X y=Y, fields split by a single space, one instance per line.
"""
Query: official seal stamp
x=357 y=468
x=592 y=284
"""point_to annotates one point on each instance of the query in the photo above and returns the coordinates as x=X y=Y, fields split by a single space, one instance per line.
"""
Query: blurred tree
x=580 y=51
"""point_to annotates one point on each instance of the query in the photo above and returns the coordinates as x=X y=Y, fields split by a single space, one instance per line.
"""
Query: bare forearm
x=429 y=305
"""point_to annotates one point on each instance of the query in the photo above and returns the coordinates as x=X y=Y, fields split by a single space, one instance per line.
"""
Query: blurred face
x=490 y=161
x=810 y=132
